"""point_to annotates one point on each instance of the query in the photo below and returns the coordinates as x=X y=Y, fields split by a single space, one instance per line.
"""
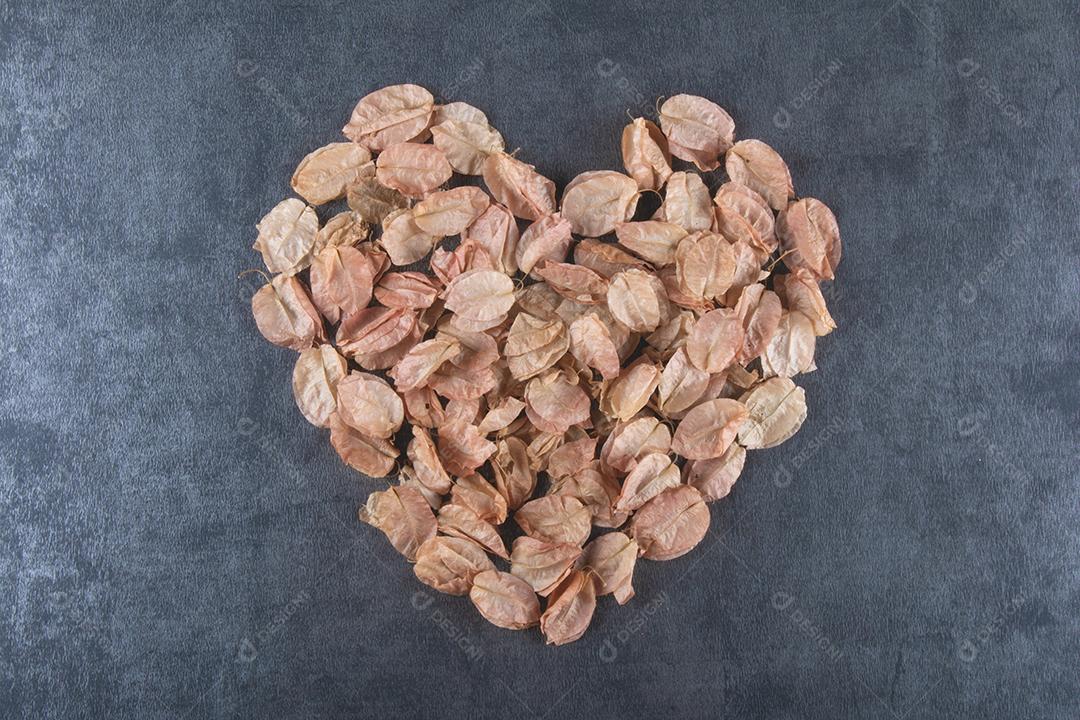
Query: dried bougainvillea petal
x=625 y=396
x=699 y=130
x=708 y=429
x=595 y=202
x=555 y=519
x=421 y=362
x=413 y=169
x=652 y=240
x=462 y=521
x=315 y=379
x=574 y=282
x=463 y=448
x=525 y=192
x=287 y=237
x=542 y=564
x=645 y=154
x=705 y=265
x=605 y=259
x=496 y=232
x=480 y=294
x=405 y=241
x=505 y=600
x=450 y=564
x=371 y=200
x=390 y=116
x=810 y=238
x=759 y=312
x=449 y=212
x=715 y=340
x=554 y=403
x=368 y=403
x=466 y=144
x=403 y=515
x=687 y=203
x=681 y=385
x=546 y=239
x=611 y=559
x=326 y=173
x=742 y=215
x=638 y=300
x=592 y=346
x=715 y=477
x=776 y=410
x=671 y=524
x=650 y=477
x=790 y=350
x=759 y=167
x=285 y=315
x=341 y=282
x=344 y=229
x=635 y=439
x=476 y=493
x=570 y=609
x=459 y=111
x=799 y=291
x=409 y=290
x=514 y=475
x=373 y=330
x=374 y=457
x=427 y=466
x=533 y=345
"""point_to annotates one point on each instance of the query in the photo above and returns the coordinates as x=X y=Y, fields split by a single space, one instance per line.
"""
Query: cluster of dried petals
x=565 y=385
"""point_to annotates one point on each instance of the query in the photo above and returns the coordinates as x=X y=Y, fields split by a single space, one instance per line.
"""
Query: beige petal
x=371 y=200
x=525 y=192
x=570 y=609
x=285 y=315
x=605 y=259
x=592 y=346
x=638 y=300
x=759 y=167
x=715 y=477
x=800 y=292
x=496 y=231
x=671 y=524
x=326 y=173
x=427 y=466
x=344 y=229
x=574 y=282
x=315 y=379
x=777 y=409
x=462 y=521
x=412 y=169
x=701 y=127
x=480 y=295
x=462 y=447
x=405 y=241
x=652 y=240
x=287 y=237
x=408 y=290
x=374 y=457
x=681 y=384
x=450 y=564
x=533 y=345
x=368 y=404
x=389 y=116
x=716 y=338
x=501 y=415
x=403 y=515
x=373 y=330
x=611 y=559
x=705 y=265
x=542 y=565
x=595 y=202
x=554 y=403
x=514 y=475
x=687 y=202
x=743 y=215
x=632 y=440
x=555 y=519
x=708 y=429
x=790 y=350
x=810 y=238
x=341 y=281
x=759 y=311
x=449 y=212
x=546 y=239
x=645 y=154
x=505 y=600
x=650 y=477
x=481 y=497
x=466 y=144
x=625 y=396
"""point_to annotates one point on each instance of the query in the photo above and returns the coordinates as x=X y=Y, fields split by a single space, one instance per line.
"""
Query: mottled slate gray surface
x=175 y=540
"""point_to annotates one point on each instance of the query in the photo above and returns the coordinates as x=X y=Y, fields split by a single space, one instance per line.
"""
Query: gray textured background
x=175 y=540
